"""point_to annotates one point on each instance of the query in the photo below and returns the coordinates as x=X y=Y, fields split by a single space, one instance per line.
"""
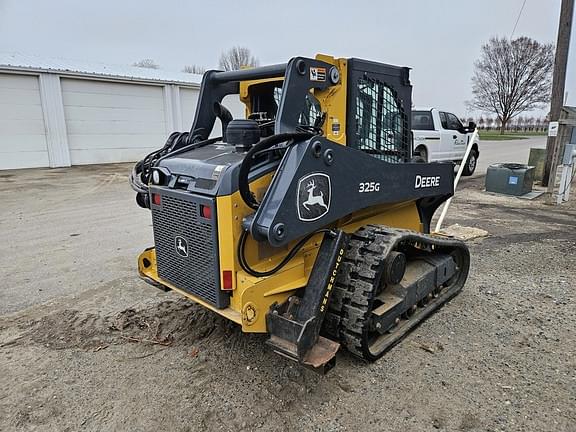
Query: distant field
x=495 y=135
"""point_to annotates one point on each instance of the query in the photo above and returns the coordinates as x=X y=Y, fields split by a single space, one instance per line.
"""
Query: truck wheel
x=420 y=155
x=470 y=166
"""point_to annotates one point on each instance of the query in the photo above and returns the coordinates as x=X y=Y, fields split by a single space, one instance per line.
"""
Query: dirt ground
x=86 y=345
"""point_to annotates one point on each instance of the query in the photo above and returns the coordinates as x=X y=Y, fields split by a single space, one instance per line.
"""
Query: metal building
x=56 y=113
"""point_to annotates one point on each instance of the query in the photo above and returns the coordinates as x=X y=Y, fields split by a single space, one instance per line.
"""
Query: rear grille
x=178 y=228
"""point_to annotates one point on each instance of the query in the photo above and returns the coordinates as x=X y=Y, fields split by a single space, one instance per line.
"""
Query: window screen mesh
x=381 y=126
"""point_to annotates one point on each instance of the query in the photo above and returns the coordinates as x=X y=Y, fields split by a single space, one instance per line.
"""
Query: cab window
x=381 y=127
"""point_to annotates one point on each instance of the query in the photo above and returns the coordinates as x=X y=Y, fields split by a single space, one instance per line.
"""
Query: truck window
x=422 y=120
x=453 y=122
x=443 y=120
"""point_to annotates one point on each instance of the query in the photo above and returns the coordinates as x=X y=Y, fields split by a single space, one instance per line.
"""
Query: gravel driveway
x=86 y=345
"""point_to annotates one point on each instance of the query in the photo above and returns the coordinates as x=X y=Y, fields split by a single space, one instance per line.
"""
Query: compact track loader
x=306 y=219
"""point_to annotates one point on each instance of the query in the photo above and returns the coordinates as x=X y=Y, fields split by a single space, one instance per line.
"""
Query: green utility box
x=510 y=178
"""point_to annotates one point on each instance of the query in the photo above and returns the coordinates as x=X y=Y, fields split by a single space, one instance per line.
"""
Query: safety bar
x=456 y=180
x=272 y=71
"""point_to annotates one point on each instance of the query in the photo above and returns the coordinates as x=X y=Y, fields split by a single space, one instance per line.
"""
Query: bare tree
x=498 y=124
x=538 y=124
x=489 y=122
x=194 y=69
x=237 y=57
x=512 y=76
x=520 y=122
x=146 y=63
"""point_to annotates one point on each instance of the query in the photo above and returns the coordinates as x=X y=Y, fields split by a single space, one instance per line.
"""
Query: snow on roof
x=18 y=61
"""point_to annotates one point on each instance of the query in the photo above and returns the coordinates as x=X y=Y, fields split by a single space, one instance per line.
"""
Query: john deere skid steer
x=306 y=219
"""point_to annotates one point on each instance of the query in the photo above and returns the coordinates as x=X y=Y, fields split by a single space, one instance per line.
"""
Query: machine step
x=320 y=358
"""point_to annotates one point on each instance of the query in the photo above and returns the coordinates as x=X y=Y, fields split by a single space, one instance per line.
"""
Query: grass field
x=495 y=135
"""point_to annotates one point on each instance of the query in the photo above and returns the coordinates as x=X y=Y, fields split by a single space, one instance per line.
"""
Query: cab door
x=454 y=136
x=446 y=137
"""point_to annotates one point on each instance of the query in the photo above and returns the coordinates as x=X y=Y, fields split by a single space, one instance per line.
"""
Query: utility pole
x=558 y=82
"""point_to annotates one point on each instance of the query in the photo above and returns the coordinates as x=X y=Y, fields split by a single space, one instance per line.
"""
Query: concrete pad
x=531 y=195
x=463 y=232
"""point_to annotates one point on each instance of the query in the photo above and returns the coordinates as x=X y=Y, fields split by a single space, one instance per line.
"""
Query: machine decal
x=317 y=74
x=181 y=246
x=369 y=187
x=314 y=193
x=335 y=127
x=217 y=171
x=331 y=281
x=426 y=181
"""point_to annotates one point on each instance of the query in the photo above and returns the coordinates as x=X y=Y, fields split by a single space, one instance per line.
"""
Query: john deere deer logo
x=314 y=199
x=181 y=246
x=314 y=193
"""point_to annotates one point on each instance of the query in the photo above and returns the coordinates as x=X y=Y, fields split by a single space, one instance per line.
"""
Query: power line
x=518 y=19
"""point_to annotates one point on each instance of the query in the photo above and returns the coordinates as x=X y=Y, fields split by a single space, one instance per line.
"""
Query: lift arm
x=319 y=182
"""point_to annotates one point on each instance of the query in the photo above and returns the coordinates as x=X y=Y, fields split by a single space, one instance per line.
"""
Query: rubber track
x=361 y=271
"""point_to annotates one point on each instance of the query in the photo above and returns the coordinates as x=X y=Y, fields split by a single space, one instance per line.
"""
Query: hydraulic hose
x=246 y=267
x=243 y=185
x=250 y=199
x=177 y=143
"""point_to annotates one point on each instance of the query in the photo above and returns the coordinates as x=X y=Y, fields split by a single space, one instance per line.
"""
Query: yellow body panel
x=148 y=270
x=333 y=102
x=245 y=90
x=252 y=297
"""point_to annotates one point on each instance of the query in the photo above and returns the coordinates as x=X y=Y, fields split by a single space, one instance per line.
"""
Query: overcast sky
x=438 y=39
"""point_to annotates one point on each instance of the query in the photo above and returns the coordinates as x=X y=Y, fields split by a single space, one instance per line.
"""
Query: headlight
x=156 y=177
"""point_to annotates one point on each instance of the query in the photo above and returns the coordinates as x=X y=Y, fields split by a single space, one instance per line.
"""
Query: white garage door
x=189 y=100
x=22 y=131
x=112 y=122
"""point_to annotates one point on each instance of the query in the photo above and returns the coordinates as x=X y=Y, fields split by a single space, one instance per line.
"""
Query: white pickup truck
x=440 y=136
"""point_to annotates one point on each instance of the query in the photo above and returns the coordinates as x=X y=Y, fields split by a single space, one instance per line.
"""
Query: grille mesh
x=197 y=272
x=381 y=124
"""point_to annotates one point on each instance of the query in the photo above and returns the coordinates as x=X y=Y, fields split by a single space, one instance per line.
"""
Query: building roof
x=32 y=63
